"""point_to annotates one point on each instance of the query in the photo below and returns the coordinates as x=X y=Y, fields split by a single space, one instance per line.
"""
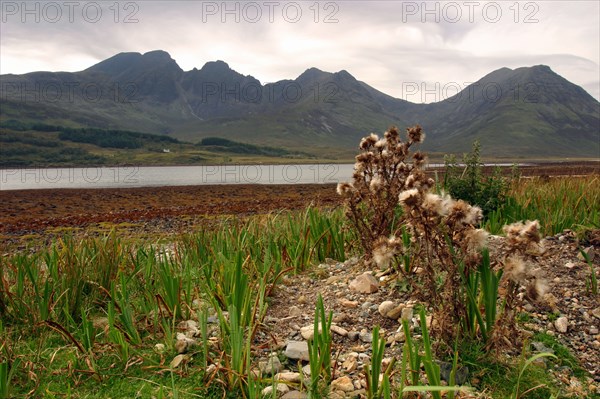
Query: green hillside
x=531 y=111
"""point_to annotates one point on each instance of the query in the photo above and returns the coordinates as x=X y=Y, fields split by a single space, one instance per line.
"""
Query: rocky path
x=362 y=300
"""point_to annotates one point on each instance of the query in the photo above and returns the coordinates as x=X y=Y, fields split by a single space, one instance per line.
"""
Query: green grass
x=565 y=357
x=499 y=378
x=52 y=299
x=558 y=203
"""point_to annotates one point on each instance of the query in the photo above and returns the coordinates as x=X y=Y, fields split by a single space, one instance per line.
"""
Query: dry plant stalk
x=446 y=244
x=517 y=260
x=381 y=172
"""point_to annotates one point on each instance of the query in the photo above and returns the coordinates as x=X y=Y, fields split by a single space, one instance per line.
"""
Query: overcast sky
x=398 y=47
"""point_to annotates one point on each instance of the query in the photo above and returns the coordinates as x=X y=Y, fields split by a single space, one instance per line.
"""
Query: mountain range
x=523 y=112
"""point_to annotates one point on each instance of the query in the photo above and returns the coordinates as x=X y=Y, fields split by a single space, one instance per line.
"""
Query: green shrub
x=468 y=182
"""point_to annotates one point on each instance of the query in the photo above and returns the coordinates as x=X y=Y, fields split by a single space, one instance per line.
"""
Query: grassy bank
x=84 y=316
x=558 y=203
x=98 y=318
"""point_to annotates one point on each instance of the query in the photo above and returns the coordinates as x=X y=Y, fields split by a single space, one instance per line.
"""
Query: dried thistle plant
x=446 y=250
x=382 y=170
x=445 y=254
x=517 y=260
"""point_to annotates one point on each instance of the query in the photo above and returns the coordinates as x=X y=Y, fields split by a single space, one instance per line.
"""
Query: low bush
x=468 y=182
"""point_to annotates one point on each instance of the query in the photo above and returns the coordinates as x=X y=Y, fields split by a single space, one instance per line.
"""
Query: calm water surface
x=155 y=176
x=152 y=176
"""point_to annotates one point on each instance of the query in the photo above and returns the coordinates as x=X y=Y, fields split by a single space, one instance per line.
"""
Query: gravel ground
x=291 y=312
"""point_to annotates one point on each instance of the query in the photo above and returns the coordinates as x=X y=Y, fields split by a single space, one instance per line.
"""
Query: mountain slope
x=520 y=112
x=523 y=112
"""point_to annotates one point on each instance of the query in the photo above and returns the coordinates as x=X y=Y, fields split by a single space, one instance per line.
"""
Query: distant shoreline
x=432 y=160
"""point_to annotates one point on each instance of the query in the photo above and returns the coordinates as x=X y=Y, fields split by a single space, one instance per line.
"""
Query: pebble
x=287 y=377
x=336 y=395
x=395 y=313
x=348 y=304
x=308 y=332
x=294 y=311
x=281 y=390
x=407 y=313
x=396 y=337
x=306 y=370
x=541 y=348
x=366 y=283
x=528 y=307
x=211 y=369
x=350 y=364
x=183 y=343
x=297 y=350
x=591 y=253
x=294 y=395
x=271 y=366
x=363 y=357
x=561 y=324
x=353 y=335
x=189 y=327
x=366 y=337
x=339 y=330
x=385 y=307
x=343 y=384
x=461 y=376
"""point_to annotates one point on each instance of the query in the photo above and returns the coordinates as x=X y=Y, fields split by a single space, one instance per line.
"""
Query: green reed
x=558 y=203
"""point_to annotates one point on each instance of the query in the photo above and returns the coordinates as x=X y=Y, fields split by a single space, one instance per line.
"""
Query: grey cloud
x=370 y=40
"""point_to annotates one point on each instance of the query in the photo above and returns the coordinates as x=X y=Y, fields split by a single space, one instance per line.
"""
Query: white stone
x=339 y=330
x=306 y=370
x=385 y=307
x=287 y=376
x=350 y=364
x=395 y=313
x=366 y=283
x=297 y=350
x=294 y=395
x=308 y=332
x=342 y=384
x=561 y=324
x=294 y=311
x=271 y=366
x=570 y=265
x=281 y=390
x=407 y=313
